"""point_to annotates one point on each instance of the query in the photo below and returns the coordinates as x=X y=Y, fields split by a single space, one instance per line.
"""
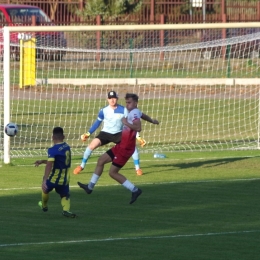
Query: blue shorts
x=63 y=190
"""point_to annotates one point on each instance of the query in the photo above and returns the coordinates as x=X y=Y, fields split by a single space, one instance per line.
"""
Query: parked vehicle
x=22 y=15
x=245 y=49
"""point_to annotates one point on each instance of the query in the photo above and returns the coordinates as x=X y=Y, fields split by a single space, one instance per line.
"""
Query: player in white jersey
x=112 y=116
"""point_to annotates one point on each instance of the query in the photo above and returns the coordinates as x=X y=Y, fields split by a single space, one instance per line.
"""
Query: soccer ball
x=11 y=129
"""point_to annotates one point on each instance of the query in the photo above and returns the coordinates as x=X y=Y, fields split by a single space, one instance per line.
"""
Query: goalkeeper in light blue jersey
x=112 y=116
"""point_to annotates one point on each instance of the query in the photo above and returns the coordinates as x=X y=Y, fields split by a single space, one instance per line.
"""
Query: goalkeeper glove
x=85 y=136
x=141 y=141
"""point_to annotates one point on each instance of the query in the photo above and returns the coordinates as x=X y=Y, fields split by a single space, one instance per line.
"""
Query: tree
x=54 y=6
x=110 y=8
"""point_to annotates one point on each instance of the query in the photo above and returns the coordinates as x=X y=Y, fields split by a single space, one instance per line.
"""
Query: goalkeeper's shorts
x=106 y=138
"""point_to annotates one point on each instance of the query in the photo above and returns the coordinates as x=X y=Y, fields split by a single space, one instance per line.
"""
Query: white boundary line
x=132 y=238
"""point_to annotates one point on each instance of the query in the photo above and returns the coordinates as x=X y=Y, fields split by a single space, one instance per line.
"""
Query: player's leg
x=136 y=160
x=101 y=139
x=45 y=196
x=44 y=202
x=102 y=160
x=95 y=143
x=118 y=162
x=114 y=173
x=63 y=191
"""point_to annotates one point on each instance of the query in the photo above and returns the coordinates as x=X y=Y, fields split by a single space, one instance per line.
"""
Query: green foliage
x=109 y=8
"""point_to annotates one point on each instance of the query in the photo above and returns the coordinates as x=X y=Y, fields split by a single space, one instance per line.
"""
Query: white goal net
x=202 y=84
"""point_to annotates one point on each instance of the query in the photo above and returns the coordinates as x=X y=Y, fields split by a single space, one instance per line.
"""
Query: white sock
x=129 y=185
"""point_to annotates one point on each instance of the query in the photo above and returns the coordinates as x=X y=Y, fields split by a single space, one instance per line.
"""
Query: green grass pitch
x=195 y=205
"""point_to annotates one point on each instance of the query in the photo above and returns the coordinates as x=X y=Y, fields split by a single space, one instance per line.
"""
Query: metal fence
x=156 y=11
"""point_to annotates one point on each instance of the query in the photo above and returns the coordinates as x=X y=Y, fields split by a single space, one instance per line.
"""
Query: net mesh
x=203 y=89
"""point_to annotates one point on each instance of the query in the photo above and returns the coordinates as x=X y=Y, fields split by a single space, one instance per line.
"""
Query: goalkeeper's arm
x=92 y=129
x=141 y=141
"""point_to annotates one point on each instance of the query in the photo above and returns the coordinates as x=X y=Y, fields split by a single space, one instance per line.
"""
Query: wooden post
x=98 y=35
x=162 y=37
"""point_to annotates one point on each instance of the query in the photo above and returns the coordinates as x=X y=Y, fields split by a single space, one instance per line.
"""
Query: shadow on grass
x=163 y=166
x=202 y=163
x=164 y=218
x=207 y=163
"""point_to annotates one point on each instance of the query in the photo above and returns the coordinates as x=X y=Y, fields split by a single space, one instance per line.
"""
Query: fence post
x=81 y=7
x=223 y=7
x=98 y=36
x=258 y=10
x=162 y=37
x=224 y=20
x=152 y=12
x=224 y=35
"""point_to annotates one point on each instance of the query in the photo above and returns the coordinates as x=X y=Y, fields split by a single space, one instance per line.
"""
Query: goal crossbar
x=134 y=27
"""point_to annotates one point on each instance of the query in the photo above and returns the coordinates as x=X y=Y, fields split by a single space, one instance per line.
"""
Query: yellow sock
x=65 y=203
x=45 y=198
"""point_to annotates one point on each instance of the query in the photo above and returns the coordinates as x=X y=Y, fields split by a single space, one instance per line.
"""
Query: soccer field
x=195 y=205
x=204 y=91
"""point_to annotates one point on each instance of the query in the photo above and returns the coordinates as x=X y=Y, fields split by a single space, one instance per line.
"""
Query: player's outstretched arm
x=145 y=117
x=38 y=162
x=149 y=119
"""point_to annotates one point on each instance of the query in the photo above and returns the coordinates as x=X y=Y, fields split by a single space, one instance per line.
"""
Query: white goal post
x=201 y=81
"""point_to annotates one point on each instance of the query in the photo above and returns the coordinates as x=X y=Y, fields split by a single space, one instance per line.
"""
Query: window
x=24 y=15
